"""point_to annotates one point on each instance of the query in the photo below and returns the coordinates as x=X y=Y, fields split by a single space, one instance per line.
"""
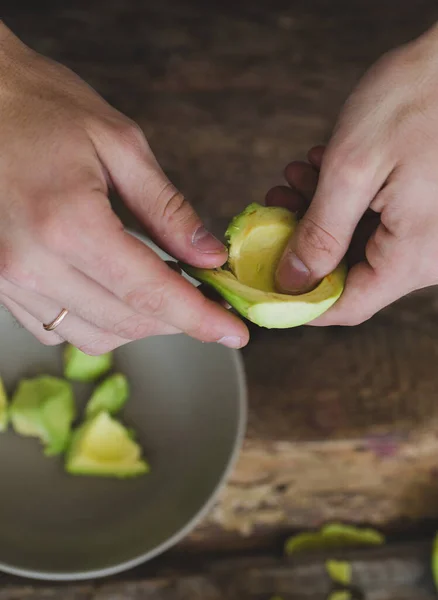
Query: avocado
x=102 y=446
x=82 y=367
x=256 y=241
x=339 y=571
x=110 y=396
x=340 y=595
x=4 y=413
x=334 y=536
x=44 y=407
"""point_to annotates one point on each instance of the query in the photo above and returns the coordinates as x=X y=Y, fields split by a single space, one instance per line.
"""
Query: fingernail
x=204 y=241
x=292 y=273
x=231 y=341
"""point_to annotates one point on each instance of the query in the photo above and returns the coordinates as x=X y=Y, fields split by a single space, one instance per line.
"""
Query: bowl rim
x=184 y=531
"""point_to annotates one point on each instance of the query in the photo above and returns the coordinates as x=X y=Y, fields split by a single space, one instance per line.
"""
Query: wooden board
x=390 y=573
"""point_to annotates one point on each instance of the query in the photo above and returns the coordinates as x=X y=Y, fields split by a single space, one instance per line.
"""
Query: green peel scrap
x=334 y=536
x=339 y=571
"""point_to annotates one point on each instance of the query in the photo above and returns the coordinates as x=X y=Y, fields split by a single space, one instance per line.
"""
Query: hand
x=378 y=182
x=61 y=245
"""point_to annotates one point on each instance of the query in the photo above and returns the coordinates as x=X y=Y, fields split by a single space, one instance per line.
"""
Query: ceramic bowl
x=188 y=406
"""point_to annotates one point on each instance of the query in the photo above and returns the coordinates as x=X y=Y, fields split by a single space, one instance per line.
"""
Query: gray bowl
x=188 y=405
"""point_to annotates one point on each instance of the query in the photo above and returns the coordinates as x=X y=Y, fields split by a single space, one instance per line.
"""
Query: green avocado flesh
x=4 y=413
x=103 y=447
x=110 y=396
x=44 y=407
x=256 y=240
x=81 y=367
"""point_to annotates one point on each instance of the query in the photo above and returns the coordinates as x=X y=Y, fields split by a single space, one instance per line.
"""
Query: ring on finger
x=59 y=319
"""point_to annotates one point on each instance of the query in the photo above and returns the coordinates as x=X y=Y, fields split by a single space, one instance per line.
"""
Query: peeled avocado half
x=256 y=240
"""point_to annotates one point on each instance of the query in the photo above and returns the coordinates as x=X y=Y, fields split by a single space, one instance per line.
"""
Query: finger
x=94 y=304
x=324 y=234
x=364 y=231
x=286 y=197
x=293 y=201
x=206 y=290
x=48 y=338
x=72 y=329
x=136 y=275
x=167 y=216
x=302 y=177
x=315 y=156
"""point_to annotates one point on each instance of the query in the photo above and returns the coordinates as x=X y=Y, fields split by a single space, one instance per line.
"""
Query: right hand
x=373 y=191
x=62 y=246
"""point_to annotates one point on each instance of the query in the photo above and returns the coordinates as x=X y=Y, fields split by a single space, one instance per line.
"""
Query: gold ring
x=59 y=319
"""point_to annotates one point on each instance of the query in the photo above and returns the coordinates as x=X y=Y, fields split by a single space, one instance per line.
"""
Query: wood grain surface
x=400 y=572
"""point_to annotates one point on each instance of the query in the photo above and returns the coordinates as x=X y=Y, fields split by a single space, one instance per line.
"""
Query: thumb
x=324 y=233
x=168 y=217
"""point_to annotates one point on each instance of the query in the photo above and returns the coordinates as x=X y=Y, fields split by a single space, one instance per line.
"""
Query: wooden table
x=343 y=422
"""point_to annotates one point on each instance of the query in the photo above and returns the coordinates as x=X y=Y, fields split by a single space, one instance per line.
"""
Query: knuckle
x=132 y=136
x=109 y=267
x=407 y=56
x=152 y=300
x=173 y=205
x=170 y=207
x=354 y=174
x=201 y=328
x=13 y=270
x=135 y=327
x=315 y=240
x=384 y=245
x=375 y=250
x=391 y=58
x=56 y=228
x=349 y=168
x=54 y=232
x=397 y=221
